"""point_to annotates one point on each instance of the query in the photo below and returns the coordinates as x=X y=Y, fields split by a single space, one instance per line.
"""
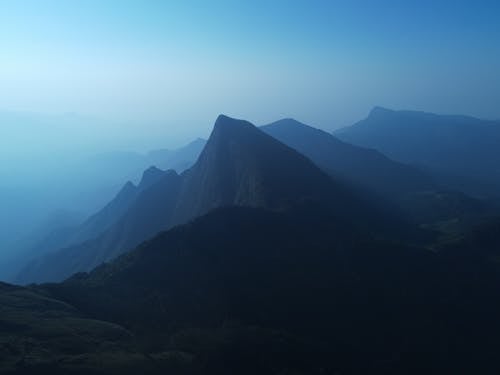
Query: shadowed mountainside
x=461 y=151
x=247 y=290
x=408 y=189
x=239 y=166
x=359 y=166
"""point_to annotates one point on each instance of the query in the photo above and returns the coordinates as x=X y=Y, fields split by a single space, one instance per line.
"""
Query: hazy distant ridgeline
x=361 y=167
x=460 y=151
x=59 y=173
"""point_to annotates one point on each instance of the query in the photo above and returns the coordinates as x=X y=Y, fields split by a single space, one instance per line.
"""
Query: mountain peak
x=227 y=129
x=290 y=120
x=222 y=119
x=289 y=124
x=198 y=141
x=127 y=189
x=228 y=124
x=243 y=166
x=376 y=111
x=150 y=176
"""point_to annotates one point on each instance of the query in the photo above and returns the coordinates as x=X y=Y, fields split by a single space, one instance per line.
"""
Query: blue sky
x=169 y=67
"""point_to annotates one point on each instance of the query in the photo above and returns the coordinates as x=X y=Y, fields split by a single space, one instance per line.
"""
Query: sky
x=166 y=69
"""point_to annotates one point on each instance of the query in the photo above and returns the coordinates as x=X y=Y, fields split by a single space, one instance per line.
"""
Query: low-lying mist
x=57 y=170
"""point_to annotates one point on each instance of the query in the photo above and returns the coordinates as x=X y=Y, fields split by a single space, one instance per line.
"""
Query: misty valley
x=274 y=249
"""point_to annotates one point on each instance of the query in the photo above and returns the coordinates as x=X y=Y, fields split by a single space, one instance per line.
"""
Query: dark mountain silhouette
x=240 y=166
x=98 y=223
x=461 y=151
x=59 y=224
x=179 y=159
x=42 y=335
x=106 y=232
x=411 y=190
x=83 y=186
x=116 y=167
x=251 y=291
x=357 y=165
x=150 y=177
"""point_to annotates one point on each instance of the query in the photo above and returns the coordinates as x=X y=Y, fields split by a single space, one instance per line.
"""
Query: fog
x=55 y=170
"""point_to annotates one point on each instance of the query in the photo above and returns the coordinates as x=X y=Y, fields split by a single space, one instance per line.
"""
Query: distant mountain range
x=419 y=194
x=242 y=166
x=102 y=172
x=461 y=152
x=270 y=255
x=29 y=230
x=361 y=167
x=116 y=167
x=239 y=166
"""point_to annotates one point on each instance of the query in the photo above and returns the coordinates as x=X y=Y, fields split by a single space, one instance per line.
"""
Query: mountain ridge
x=361 y=167
x=239 y=166
x=460 y=152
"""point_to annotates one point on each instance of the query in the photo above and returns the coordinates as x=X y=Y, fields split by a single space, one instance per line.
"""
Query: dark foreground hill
x=251 y=291
x=42 y=335
x=246 y=290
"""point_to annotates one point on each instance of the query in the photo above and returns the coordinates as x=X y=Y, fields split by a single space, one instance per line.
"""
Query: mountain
x=413 y=191
x=115 y=167
x=42 y=335
x=239 y=166
x=256 y=261
x=461 y=151
x=247 y=290
x=101 y=234
x=83 y=186
x=361 y=167
x=179 y=159
x=242 y=166
x=98 y=223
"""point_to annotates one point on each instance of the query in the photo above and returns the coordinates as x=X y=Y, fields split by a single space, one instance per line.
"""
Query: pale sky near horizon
x=170 y=67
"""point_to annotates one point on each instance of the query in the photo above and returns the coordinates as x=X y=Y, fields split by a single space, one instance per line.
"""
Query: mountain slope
x=179 y=159
x=360 y=166
x=279 y=275
x=122 y=224
x=98 y=223
x=253 y=291
x=83 y=186
x=240 y=166
x=462 y=150
x=414 y=191
x=40 y=334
